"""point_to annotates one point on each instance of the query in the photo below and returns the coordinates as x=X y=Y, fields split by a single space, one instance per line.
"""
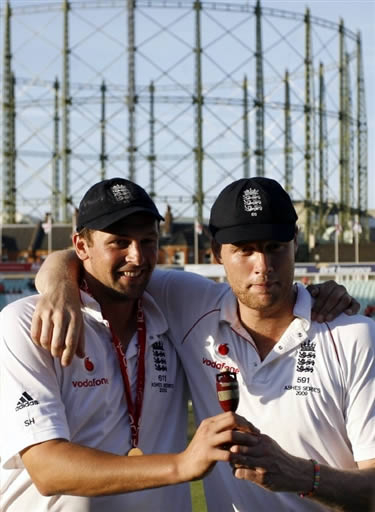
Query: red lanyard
x=134 y=408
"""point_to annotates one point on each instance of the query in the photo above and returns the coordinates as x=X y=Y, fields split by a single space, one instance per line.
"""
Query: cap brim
x=105 y=221
x=255 y=232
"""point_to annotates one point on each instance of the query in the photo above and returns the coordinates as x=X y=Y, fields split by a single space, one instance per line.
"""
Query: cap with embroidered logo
x=252 y=209
x=111 y=200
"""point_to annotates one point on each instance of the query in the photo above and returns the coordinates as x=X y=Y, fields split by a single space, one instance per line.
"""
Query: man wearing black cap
x=65 y=432
x=212 y=329
x=308 y=387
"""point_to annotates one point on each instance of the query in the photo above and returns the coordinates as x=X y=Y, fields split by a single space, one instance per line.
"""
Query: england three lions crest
x=252 y=201
x=121 y=194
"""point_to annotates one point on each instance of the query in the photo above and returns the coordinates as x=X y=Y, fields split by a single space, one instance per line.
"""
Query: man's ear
x=216 y=250
x=80 y=245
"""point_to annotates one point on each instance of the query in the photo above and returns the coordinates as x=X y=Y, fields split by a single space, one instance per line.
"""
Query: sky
x=358 y=15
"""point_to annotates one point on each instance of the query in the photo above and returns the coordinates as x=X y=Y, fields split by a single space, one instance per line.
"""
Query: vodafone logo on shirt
x=89 y=383
x=219 y=351
x=219 y=365
x=89 y=366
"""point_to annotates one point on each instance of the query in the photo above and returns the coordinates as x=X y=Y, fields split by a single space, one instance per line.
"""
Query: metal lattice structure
x=182 y=97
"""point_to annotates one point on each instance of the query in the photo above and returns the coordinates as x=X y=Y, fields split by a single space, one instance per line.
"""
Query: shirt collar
x=301 y=310
x=229 y=308
x=303 y=305
x=156 y=323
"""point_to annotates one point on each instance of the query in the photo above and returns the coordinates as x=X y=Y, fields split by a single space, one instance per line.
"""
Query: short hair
x=87 y=233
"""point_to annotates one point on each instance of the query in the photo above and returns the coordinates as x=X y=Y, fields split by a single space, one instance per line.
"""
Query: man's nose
x=135 y=253
x=263 y=263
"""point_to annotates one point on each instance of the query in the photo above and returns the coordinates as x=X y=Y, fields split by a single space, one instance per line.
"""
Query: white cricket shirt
x=313 y=393
x=85 y=404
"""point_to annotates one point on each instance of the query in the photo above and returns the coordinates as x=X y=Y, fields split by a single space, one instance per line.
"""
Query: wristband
x=316 y=480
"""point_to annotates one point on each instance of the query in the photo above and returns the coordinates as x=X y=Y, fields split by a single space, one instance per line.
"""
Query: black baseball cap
x=252 y=209
x=111 y=200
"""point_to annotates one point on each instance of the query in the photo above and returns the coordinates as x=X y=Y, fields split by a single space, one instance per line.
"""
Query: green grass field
x=197 y=497
x=197 y=493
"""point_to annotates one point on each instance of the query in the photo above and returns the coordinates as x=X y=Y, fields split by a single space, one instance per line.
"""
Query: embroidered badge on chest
x=306 y=357
x=160 y=359
x=252 y=201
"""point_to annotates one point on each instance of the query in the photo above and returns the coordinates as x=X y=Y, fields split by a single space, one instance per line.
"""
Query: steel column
x=151 y=156
x=66 y=102
x=198 y=101
x=131 y=99
x=308 y=129
x=246 y=136
x=103 y=154
x=55 y=199
x=362 y=149
x=259 y=93
x=9 y=177
x=323 y=164
x=288 y=147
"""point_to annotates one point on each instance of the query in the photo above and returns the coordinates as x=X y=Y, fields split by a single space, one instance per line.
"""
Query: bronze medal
x=135 y=452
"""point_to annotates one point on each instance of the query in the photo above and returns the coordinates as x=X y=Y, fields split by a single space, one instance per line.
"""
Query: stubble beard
x=256 y=302
x=269 y=303
x=132 y=291
x=114 y=290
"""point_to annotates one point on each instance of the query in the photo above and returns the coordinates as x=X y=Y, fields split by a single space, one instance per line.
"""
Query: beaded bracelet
x=316 y=480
